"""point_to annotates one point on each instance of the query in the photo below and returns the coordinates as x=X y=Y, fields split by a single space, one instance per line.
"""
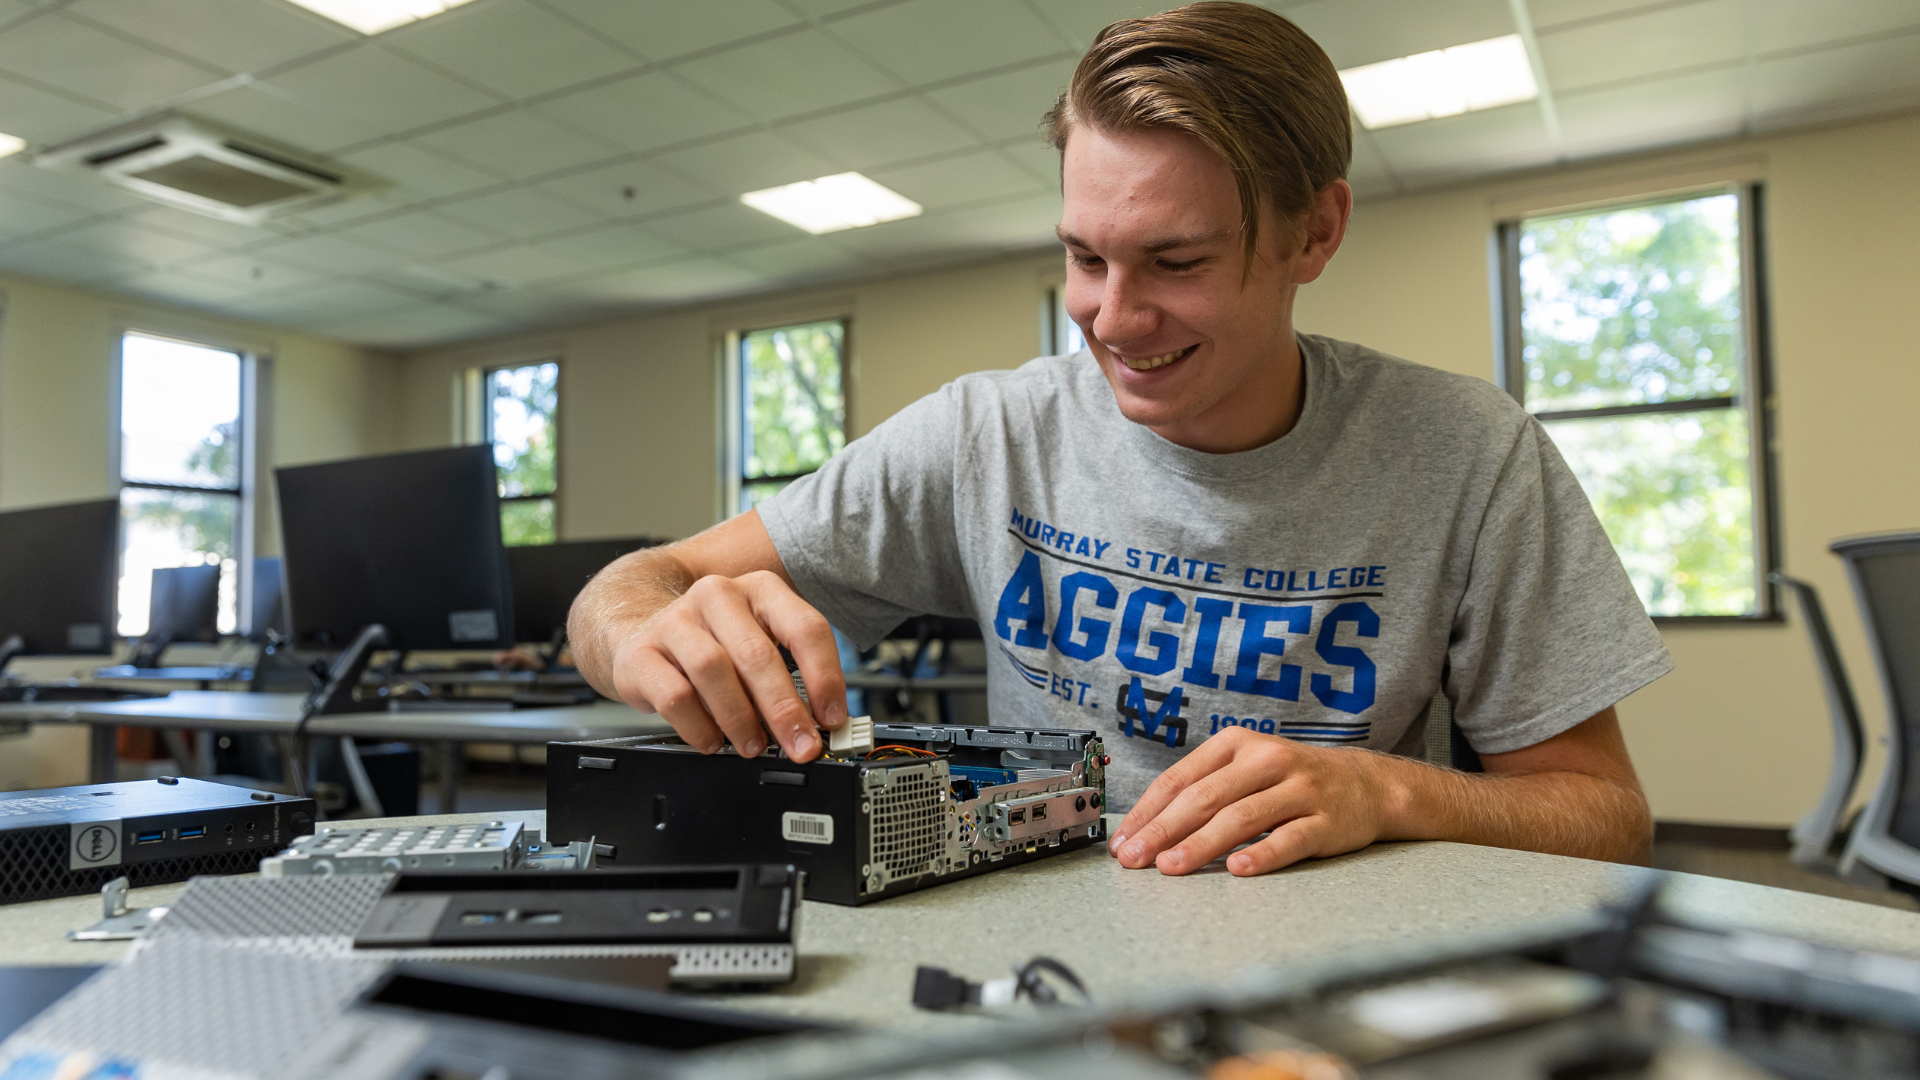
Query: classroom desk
x=1136 y=933
x=278 y=714
x=204 y=675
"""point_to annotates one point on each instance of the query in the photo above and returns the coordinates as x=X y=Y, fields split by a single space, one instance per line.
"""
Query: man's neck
x=1258 y=411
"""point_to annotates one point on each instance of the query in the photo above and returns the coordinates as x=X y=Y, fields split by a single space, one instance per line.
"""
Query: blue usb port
x=150 y=837
x=193 y=833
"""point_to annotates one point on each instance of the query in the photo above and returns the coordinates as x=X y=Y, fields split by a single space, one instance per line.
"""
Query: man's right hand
x=693 y=631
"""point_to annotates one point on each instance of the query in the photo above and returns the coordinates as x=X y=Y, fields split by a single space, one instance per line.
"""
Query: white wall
x=1737 y=734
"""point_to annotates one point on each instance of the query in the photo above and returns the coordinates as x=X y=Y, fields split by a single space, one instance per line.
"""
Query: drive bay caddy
x=932 y=803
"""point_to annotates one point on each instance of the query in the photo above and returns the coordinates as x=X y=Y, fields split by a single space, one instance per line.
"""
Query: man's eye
x=1181 y=267
x=1084 y=262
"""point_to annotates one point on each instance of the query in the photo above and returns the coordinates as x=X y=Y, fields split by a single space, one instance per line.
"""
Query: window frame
x=246 y=434
x=485 y=416
x=1757 y=392
x=734 y=426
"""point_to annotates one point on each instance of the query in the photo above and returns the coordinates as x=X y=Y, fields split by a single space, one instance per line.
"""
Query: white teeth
x=1151 y=362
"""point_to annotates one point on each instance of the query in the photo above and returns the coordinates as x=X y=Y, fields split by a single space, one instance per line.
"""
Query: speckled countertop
x=1133 y=932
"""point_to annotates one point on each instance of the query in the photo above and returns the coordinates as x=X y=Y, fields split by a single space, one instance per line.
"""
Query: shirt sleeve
x=870 y=539
x=1549 y=631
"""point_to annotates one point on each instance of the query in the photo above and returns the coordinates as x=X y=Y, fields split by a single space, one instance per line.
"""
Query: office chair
x=925 y=631
x=1886 y=580
x=1814 y=836
x=1447 y=745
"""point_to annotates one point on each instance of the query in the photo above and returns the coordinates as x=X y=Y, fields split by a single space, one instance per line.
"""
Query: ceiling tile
x=671 y=283
x=510 y=47
x=519 y=213
x=1010 y=105
x=423 y=235
x=129 y=241
x=1553 y=14
x=328 y=302
x=422 y=324
x=808 y=258
x=268 y=111
x=232 y=35
x=75 y=191
x=65 y=262
x=1471 y=144
x=1085 y=18
x=746 y=163
x=983 y=175
x=1826 y=83
x=722 y=227
x=207 y=230
x=663 y=29
x=643 y=112
x=826 y=7
x=898 y=130
x=1015 y=224
x=1357 y=32
x=382 y=91
x=244 y=275
x=1669 y=39
x=619 y=245
x=1037 y=158
x=44 y=118
x=929 y=40
x=518 y=144
x=513 y=267
x=626 y=189
x=1370 y=175
x=1795 y=24
x=26 y=214
x=418 y=171
x=790 y=75
x=326 y=217
x=338 y=254
x=179 y=287
x=95 y=65
x=1646 y=114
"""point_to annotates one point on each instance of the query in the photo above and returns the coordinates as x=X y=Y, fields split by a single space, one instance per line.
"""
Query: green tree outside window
x=523 y=406
x=793 y=407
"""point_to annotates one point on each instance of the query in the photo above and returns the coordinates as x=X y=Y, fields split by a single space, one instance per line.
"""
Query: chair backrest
x=1813 y=835
x=1886 y=580
x=1447 y=745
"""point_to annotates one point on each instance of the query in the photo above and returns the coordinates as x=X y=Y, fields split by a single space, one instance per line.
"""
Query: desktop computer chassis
x=934 y=803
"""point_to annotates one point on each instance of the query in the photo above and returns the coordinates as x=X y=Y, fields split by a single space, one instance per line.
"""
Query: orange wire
x=906 y=749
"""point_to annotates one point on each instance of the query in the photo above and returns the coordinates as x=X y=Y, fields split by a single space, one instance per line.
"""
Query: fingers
x=807 y=635
x=1263 y=809
x=1298 y=839
x=648 y=681
x=753 y=663
x=1216 y=751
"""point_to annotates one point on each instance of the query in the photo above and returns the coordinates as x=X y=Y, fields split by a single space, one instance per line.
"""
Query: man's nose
x=1126 y=313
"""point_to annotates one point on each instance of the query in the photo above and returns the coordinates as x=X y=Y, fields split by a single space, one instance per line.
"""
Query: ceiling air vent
x=201 y=166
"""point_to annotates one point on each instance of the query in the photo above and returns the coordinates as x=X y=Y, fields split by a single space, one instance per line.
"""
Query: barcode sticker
x=807 y=828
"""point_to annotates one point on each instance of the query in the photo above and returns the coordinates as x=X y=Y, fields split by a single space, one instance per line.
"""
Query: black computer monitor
x=410 y=542
x=269 y=608
x=546 y=578
x=58 y=566
x=183 y=605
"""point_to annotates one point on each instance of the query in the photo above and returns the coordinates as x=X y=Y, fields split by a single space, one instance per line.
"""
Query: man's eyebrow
x=1170 y=243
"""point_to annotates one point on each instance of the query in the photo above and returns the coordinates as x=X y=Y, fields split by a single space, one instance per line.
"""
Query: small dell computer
x=396 y=551
x=546 y=578
x=185 y=606
x=57 y=586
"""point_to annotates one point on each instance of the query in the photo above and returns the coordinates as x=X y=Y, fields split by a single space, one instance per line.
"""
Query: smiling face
x=1197 y=344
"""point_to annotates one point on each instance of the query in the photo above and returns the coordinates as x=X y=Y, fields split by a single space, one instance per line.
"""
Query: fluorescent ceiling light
x=1445 y=82
x=842 y=201
x=11 y=145
x=374 y=16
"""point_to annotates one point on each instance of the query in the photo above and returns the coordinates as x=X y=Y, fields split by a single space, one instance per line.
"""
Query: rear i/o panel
x=931 y=803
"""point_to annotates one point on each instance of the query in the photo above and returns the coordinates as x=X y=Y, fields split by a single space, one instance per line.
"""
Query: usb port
x=193 y=833
x=150 y=837
x=1039 y=813
x=1015 y=817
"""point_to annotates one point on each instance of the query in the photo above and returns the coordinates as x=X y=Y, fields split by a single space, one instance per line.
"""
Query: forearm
x=618 y=601
x=1561 y=813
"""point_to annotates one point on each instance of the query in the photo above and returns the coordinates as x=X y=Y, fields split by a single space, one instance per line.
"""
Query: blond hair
x=1249 y=84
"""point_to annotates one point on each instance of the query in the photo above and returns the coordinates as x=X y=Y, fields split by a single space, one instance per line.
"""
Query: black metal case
x=973 y=799
x=72 y=840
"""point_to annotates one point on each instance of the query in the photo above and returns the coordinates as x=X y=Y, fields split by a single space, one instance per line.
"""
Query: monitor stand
x=554 y=646
x=147 y=650
x=336 y=694
x=15 y=645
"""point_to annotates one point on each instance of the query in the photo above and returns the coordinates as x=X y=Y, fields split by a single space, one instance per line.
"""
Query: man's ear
x=1322 y=230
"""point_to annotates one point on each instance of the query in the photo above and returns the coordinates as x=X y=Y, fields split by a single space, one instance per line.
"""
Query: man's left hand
x=1314 y=801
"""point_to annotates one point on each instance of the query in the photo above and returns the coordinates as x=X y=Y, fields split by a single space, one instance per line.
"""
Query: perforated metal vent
x=33 y=866
x=908 y=827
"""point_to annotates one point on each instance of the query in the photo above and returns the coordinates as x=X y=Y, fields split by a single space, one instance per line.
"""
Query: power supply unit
x=932 y=803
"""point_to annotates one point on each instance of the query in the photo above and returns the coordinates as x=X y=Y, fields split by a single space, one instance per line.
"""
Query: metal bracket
x=118 y=922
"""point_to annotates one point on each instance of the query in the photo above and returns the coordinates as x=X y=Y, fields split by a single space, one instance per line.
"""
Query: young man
x=1249 y=557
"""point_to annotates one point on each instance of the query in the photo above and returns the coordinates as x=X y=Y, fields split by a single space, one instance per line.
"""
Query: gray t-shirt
x=1416 y=530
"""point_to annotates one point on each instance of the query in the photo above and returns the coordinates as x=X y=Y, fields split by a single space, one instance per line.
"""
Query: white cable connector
x=854 y=737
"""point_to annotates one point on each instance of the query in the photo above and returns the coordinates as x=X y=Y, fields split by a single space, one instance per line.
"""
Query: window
x=793 y=405
x=1632 y=334
x=180 y=469
x=521 y=414
x=1059 y=335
